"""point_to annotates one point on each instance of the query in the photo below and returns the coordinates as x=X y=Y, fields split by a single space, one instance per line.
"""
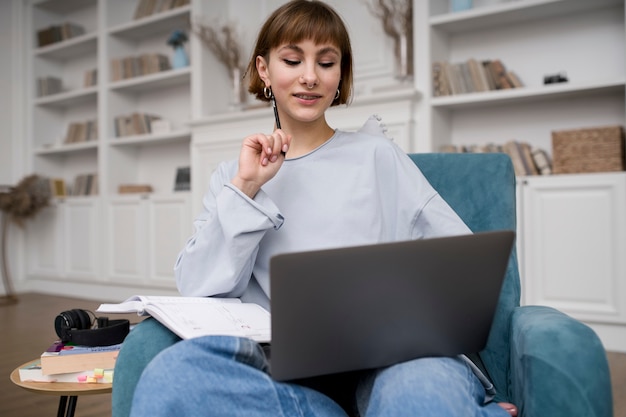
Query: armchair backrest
x=481 y=189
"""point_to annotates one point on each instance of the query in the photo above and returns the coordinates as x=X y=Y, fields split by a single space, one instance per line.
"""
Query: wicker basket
x=588 y=150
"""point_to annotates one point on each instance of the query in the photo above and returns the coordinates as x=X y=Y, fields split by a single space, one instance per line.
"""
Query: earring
x=338 y=94
x=267 y=92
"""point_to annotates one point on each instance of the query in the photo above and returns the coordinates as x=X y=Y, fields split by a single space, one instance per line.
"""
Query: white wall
x=7 y=150
x=12 y=160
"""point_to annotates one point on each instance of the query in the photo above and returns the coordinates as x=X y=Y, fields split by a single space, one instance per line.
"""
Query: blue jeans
x=227 y=376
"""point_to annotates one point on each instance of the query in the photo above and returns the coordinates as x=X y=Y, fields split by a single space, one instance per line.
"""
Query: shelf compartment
x=69 y=98
x=177 y=18
x=77 y=46
x=162 y=79
x=150 y=139
x=527 y=94
x=513 y=12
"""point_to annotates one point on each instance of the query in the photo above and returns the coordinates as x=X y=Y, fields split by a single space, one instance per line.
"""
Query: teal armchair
x=540 y=359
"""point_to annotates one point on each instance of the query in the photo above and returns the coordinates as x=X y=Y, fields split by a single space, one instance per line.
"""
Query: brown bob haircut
x=300 y=20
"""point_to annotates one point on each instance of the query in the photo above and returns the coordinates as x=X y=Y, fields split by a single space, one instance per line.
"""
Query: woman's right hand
x=260 y=159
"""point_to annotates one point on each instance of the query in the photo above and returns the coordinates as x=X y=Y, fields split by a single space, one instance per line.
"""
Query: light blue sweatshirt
x=357 y=188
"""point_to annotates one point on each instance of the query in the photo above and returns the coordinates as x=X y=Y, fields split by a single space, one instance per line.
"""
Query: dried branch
x=222 y=41
x=395 y=15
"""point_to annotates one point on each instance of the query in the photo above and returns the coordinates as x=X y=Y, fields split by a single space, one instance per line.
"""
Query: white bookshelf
x=533 y=38
x=110 y=32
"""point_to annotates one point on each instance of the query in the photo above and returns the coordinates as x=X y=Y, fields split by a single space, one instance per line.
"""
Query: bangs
x=321 y=28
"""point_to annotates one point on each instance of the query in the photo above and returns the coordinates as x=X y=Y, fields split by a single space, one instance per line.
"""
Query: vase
x=238 y=94
x=180 y=59
x=460 y=5
x=404 y=58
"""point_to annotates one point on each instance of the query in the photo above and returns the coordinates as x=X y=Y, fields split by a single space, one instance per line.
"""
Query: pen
x=277 y=119
x=276 y=113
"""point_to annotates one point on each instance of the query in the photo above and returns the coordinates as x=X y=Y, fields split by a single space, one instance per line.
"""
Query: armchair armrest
x=558 y=366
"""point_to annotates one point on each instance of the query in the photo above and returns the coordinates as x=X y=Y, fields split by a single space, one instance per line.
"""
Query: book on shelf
x=471 y=76
x=134 y=124
x=48 y=85
x=478 y=75
x=78 y=358
x=440 y=81
x=85 y=184
x=57 y=187
x=183 y=179
x=515 y=81
x=81 y=132
x=32 y=372
x=145 y=8
x=149 y=7
x=190 y=317
x=58 y=33
x=135 y=66
x=134 y=188
x=172 y=4
x=520 y=154
x=91 y=78
x=498 y=73
x=526 y=159
x=542 y=161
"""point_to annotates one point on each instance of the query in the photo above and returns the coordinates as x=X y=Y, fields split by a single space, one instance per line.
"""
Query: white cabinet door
x=574 y=239
x=145 y=236
x=82 y=239
x=44 y=243
x=63 y=241
x=169 y=225
x=127 y=240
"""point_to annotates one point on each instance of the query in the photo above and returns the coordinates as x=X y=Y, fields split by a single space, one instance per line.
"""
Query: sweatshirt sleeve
x=219 y=257
x=431 y=215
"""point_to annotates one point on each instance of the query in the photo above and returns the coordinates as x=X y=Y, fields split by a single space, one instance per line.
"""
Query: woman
x=305 y=186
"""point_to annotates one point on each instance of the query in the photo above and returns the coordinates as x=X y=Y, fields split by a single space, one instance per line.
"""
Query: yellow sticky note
x=92 y=380
x=108 y=377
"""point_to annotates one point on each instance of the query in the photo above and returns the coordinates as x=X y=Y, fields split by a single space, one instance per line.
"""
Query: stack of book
x=85 y=184
x=135 y=66
x=58 y=33
x=91 y=78
x=48 y=85
x=149 y=7
x=81 y=131
x=134 y=124
x=471 y=76
x=67 y=363
x=526 y=159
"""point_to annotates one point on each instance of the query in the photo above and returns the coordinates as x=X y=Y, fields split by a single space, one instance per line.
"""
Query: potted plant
x=18 y=204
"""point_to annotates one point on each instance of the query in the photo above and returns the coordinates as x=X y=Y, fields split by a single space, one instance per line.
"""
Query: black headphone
x=76 y=326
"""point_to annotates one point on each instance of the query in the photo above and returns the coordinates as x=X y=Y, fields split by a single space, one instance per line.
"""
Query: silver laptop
x=370 y=306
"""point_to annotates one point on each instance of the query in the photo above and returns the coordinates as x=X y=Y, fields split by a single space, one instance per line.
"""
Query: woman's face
x=304 y=77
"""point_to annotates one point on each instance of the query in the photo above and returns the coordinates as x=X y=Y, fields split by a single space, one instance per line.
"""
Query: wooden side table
x=68 y=391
